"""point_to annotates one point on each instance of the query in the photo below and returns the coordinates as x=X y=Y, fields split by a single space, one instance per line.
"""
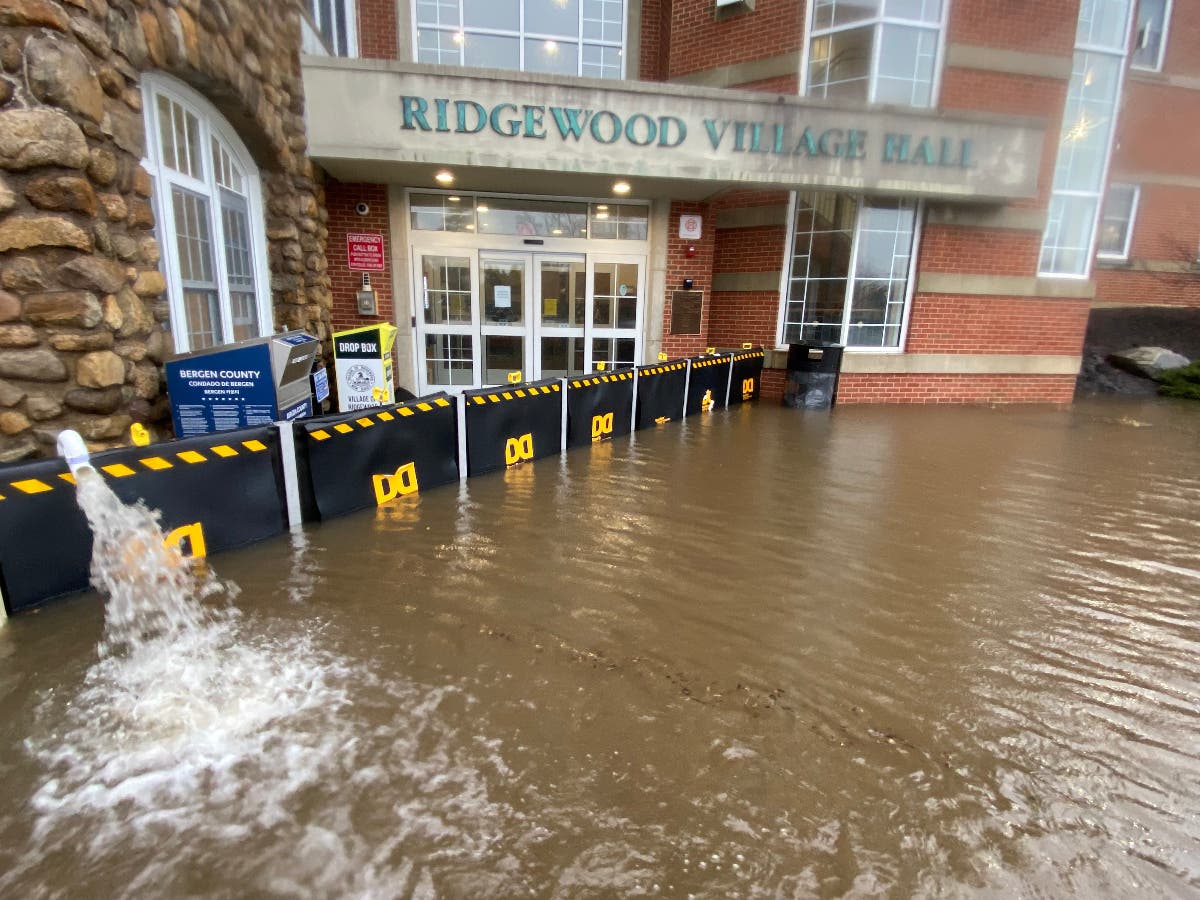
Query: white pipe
x=72 y=448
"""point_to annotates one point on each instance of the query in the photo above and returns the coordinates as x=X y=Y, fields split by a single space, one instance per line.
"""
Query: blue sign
x=222 y=390
x=321 y=384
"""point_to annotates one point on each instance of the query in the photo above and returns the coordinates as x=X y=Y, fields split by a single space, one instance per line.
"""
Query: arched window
x=208 y=203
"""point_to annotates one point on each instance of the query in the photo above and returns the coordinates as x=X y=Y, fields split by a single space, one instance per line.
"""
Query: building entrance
x=487 y=305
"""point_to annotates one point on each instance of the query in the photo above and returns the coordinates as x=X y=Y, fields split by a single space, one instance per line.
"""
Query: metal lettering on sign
x=364 y=252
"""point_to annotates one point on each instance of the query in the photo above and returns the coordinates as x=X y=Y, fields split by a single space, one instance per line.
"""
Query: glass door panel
x=562 y=357
x=449 y=360
x=502 y=354
x=561 y=296
x=614 y=352
x=447 y=338
x=503 y=291
x=614 y=334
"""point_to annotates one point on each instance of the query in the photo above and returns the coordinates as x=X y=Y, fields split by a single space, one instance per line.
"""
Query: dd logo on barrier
x=193 y=534
x=518 y=449
x=747 y=388
x=601 y=425
x=389 y=487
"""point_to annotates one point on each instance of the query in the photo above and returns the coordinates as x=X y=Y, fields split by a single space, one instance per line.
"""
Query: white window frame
x=1123 y=255
x=211 y=123
x=1121 y=54
x=876 y=23
x=785 y=280
x=350 y=8
x=522 y=35
x=1162 y=46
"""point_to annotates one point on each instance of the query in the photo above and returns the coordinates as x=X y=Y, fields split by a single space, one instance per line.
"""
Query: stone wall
x=83 y=314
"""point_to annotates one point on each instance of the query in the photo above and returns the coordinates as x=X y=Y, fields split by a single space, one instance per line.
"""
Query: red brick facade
x=342 y=200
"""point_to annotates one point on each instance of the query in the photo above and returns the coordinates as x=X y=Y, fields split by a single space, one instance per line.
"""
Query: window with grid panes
x=563 y=37
x=207 y=199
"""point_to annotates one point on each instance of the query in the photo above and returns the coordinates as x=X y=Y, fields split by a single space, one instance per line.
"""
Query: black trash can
x=812 y=375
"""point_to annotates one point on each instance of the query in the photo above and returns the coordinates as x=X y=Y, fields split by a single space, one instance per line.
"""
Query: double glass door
x=485 y=314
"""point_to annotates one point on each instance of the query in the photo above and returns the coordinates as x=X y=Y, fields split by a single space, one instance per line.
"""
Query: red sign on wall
x=365 y=252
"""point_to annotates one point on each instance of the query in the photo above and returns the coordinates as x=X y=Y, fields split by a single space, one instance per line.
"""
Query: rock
x=18 y=336
x=159 y=346
x=103 y=401
x=141 y=214
x=149 y=249
x=6 y=91
x=126 y=129
x=79 y=308
x=72 y=341
x=10 y=395
x=109 y=427
x=40 y=137
x=93 y=273
x=13 y=422
x=133 y=350
x=25 y=232
x=125 y=248
x=10 y=53
x=66 y=193
x=143 y=186
x=102 y=167
x=33 y=12
x=100 y=369
x=115 y=207
x=59 y=74
x=32 y=365
x=10 y=307
x=22 y=449
x=1149 y=362
x=92 y=35
x=127 y=39
x=41 y=408
x=24 y=274
x=8 y=197
x=145 y=379
x=136 y=320
x=150 y=283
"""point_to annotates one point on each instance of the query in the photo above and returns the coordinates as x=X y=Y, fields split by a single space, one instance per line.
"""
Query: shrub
x=1182 y=382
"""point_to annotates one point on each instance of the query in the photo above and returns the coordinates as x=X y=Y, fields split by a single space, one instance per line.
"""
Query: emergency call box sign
x=365 y=252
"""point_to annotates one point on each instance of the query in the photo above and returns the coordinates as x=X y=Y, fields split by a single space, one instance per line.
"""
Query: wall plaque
x=686 y=307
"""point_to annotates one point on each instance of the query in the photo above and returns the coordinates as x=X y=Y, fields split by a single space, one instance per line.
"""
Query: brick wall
x=377 y=29
x=696 y=39
x=861 y=388
x=988 y=251
x=698 y=267
x=946 y=323
x=1036 y=26
x=340 y=200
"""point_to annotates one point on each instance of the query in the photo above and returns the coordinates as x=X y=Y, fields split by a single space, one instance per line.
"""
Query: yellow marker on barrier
x=600 y=366
x=402 y=483
x=746 y=345
x=662 y=357
x=139 y=435
x=710 y=350
x=747 y=388
x=380 y=395
x=518 y=449
x=707 y=403
x=195 y=538
x=514 y=377
x=601 y=425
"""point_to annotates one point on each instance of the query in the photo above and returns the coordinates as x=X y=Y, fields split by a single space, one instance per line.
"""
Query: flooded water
x=763 y=653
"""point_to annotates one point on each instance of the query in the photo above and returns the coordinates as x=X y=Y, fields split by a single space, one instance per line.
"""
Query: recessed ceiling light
x=454 y=199
x=621 y=187
x=551 y=47
x=459 y=37
x=601 y=215
x=482 y=207
x=602 y=206
x=444 y=177
x=557 y=231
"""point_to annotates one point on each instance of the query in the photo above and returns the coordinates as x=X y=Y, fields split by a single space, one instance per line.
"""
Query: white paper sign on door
x=502 y=296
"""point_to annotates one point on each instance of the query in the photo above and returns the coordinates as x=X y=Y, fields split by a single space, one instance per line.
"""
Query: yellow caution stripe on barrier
x=514 y=393
x=659 y=370
x=387 y=415
x=756 y=354
x=148 y=463
x=589 y=382
x=705 y=363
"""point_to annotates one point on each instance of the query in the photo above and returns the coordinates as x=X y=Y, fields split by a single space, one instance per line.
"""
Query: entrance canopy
x=385 y=121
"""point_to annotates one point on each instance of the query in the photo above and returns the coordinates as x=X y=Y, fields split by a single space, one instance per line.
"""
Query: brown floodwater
x=762 y=653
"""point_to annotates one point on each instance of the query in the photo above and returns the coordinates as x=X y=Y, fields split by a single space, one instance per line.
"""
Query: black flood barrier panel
x=513 y=424
x=660 y=393
x=367 y=457
x=599 y=407
x=708 y=384
x=215 y=492
x=746 y=378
